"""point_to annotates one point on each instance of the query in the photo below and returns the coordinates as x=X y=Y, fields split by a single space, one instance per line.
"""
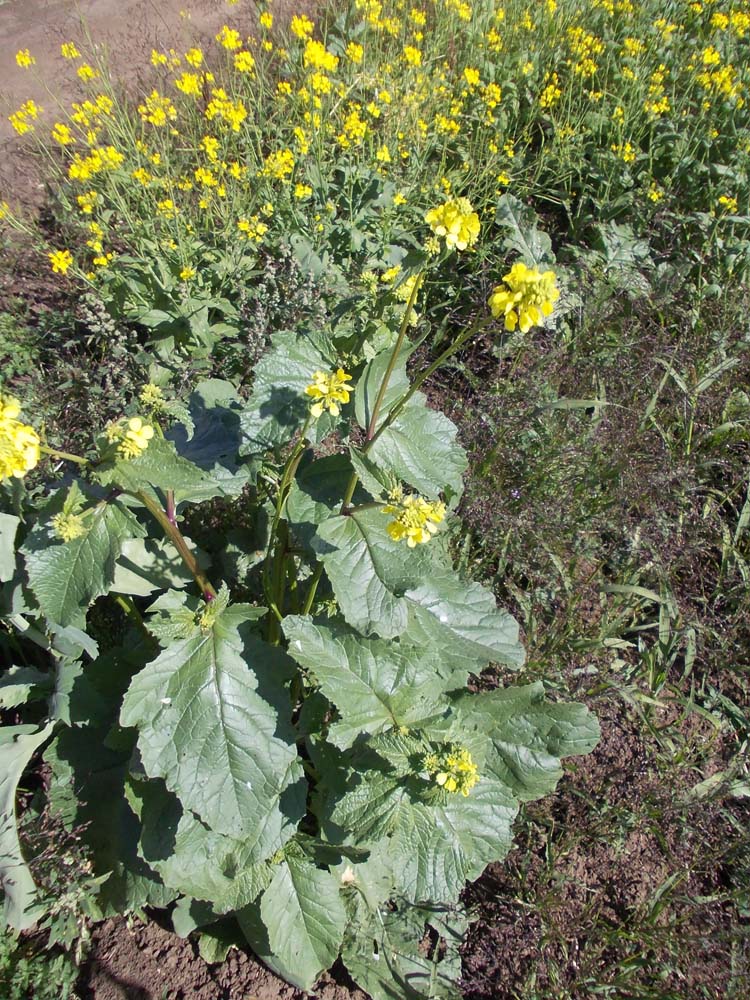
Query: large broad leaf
x=317 y=492
x=192 y=859
x=463 y=621
x=214 y=443
x=369 y=572
x=21 y=684
x=66 y=577
x=368 y=387
x=149 y=564
x=373 y=684
x=8 y=527
x=88 y=793
x=420 y=448
x=278 y=406
x=522 y=234
x=212 y=715
x=383 y=951
x=17 y=746
x=437 y=840
x=304 y=918
x=159 y=466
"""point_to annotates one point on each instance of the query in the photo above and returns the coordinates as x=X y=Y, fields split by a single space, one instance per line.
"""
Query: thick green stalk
x=174 y=534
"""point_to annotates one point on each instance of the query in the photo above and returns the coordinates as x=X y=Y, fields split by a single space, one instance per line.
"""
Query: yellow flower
x=252 y=229
x=383 y=154
x=87 y=201
x=301 y=26
x=19 y=443
x=229 y=38
x=185 y=274
x=279 y=164
x=69 y=526
x=194 y=57
x=4 y=209
x=190 y=84
x=328 y=390
x=167 y=208
x=244 y=62
x=456 y=222
x=416 y=519
x=453 y=769
x=69 y=51
x=130 y=435
x=62 y=134
x=302 y=191
x=86 y=72
x=24 y=58
x=60 y=261
x=728 y=204
x=471 y=76
x=412 y=56
x=528 y=297
x=625 y=151
x=318 y=57
x=355 y=52
x=266 y=20
x=157 y=110
x=21 y=120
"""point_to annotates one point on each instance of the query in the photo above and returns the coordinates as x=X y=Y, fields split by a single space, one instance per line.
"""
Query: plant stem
x=313 y=588
x=175 y=536
x=66 y=455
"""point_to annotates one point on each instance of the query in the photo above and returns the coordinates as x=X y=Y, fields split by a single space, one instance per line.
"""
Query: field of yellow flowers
x=573 y=178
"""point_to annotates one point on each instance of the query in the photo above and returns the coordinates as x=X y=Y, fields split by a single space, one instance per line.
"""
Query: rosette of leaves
x=274 y=775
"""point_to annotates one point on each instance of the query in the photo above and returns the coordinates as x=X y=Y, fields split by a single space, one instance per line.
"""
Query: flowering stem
x=273 y=569
x=175 y=536
x=423 y=376
x=394 y=357
x=65 y=455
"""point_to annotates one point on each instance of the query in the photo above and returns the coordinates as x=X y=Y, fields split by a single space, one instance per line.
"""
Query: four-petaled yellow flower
x=24 y=58
x=328 y=389
x=19 y=443
x=452 y=769
x=68 y=50
x=131 y=435
x=415 y=518
x=456 y=222
x=60 y=261
x=528 y=297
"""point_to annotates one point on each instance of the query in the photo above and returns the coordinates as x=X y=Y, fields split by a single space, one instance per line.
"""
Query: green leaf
x=17 y=746
x=213 y=442
x=21 y=684
x=149 y=564
x=213 y=721
x=420 y=448
x=383 y=952
x=523 y=236
x=66 y=577
x=369 y=383
x=88 y=792
x=463 y=621
x=192 y=859
x=373 y=684
x=317 y=493
x=8 y=528
x=161 y=467
x=369 y=572
x=304 y=915
x=278 y=406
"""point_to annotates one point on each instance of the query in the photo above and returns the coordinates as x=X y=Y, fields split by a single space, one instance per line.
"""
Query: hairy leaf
x=17 y=746
x=212 y=713
x=66 y=577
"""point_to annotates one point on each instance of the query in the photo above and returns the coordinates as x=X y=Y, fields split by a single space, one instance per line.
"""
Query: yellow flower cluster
x=157 y=110
x=452 y=769
x=19 y=443
x=60 y=261
x=221 y=106
x=22 y=120
x=328 y=389
x=68 y=527
x=130 y=435
x=528 y=296
x=456 y=222
x=100 y=159
x=415 y=518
